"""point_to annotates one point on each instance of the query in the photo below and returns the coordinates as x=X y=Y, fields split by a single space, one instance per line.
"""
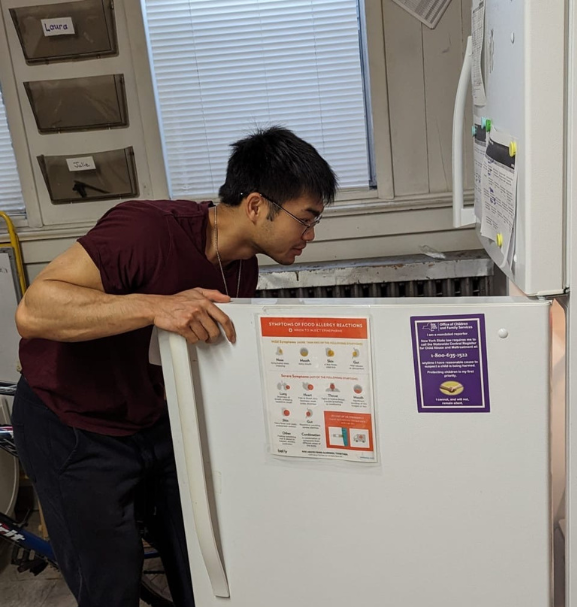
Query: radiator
x=466 y=274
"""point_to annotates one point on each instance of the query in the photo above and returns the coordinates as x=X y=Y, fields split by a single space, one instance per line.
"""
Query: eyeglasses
x=309 y=225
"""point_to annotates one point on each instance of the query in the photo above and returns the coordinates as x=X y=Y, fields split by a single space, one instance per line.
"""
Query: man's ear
x=256 y=207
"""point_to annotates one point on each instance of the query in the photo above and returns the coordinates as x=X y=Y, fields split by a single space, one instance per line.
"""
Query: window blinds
x=225 y=67
x=10 y=192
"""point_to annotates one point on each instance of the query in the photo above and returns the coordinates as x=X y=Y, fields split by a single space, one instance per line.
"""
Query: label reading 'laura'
x=61 y=26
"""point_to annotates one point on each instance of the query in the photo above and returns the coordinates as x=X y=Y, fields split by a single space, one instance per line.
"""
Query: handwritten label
x=86 y=163
x=61 y=26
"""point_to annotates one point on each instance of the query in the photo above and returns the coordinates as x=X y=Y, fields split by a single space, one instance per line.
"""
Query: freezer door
x=454 y=512
x=518 y=48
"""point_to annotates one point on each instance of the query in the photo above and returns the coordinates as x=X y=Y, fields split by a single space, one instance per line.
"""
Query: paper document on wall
x=9 y=297
x=428 y=12
x=478 y=35
x=499 y=191
x=318 y=387
x=479 y=147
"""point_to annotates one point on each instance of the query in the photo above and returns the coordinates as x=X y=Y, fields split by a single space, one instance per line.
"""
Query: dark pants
x=88 y=485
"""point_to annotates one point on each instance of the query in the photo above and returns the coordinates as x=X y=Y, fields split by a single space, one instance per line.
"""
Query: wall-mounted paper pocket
x=78 y=104
x=70 y=30
x=86 y=177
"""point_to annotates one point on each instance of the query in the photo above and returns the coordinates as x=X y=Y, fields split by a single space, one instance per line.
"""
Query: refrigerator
x=398 y=451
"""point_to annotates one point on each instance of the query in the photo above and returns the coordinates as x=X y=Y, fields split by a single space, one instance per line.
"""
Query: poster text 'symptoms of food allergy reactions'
x=318 y=387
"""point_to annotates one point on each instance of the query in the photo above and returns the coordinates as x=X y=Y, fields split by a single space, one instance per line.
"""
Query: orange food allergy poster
x=317 y=373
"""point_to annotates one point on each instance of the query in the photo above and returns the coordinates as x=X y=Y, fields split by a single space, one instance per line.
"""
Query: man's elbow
x=24 y=322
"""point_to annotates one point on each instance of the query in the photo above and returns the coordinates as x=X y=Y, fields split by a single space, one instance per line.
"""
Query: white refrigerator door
x=523 y=51
x=456 y=512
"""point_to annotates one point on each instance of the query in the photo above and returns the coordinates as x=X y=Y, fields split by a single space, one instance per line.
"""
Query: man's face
x=284 y=238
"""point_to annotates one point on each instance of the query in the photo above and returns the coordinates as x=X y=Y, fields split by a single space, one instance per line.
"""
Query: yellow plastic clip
x=499 y=240
x=513 y=149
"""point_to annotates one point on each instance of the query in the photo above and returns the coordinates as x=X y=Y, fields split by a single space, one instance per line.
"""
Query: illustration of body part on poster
x=450 y=356
x=318 y=387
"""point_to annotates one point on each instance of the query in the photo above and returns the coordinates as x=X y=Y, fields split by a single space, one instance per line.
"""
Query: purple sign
x=450 y=356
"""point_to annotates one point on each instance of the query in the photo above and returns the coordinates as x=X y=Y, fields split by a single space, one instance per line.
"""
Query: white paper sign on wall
x=86 y=163
x=61 y=26
x=10 y=337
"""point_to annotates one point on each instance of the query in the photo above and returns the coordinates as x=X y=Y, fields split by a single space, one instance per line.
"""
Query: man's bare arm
x=67 y=302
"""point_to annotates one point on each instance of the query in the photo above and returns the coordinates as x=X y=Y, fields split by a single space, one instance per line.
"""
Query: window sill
x=348 y=204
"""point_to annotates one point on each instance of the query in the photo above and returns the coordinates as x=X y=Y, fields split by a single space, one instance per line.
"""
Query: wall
x=422 y=70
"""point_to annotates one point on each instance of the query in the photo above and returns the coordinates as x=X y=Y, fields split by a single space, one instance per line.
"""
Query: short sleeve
x=129 y=245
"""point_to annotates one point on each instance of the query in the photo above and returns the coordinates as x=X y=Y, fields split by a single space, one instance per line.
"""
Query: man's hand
x=193 y=315
x=67 y=302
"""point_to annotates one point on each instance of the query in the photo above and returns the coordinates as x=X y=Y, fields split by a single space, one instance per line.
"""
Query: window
x=224 y=67
x=11 y=200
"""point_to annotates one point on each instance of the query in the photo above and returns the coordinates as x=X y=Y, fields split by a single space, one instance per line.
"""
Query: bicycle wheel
x=154 y=588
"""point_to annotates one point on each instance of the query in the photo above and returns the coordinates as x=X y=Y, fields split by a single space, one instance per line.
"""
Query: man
x=89 y=416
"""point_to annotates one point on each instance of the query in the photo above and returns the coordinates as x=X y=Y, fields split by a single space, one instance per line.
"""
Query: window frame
x=376 y=97
x=371 y=14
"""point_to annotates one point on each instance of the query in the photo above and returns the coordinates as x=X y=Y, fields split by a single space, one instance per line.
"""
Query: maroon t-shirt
x=107 y=385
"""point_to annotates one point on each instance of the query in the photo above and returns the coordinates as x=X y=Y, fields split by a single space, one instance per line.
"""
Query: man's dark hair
x=277 y=163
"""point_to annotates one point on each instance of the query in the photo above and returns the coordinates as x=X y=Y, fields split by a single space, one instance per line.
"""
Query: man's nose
x=309 y=234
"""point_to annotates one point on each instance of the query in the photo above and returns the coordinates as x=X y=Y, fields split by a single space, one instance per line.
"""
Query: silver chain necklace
x=220 y=262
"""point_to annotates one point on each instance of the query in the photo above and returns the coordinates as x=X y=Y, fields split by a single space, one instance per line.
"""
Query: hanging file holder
x=78 y=104
x=98 y=176
x=67 y=31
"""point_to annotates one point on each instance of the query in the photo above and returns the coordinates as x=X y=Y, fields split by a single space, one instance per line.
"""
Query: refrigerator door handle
x=461 y=216
x=180 y=389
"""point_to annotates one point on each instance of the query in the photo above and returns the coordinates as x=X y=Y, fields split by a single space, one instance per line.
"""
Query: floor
x=48 y=589
x=25 y=590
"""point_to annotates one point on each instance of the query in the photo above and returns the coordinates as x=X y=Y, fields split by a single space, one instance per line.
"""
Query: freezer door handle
x=461 y=216
x=180 y=394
